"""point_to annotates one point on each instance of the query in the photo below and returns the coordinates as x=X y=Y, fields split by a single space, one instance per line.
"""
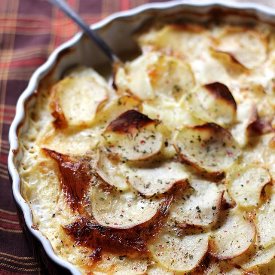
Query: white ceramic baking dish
x=117 y=31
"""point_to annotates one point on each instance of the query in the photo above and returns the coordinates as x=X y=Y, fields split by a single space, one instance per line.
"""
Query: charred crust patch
x=132 y=241
x=129 y=122
x=221 y=91
x=74 y=177
x=96 y=255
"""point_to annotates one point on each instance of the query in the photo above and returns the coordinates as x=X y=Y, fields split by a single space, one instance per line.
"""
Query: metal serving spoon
x=62 y=5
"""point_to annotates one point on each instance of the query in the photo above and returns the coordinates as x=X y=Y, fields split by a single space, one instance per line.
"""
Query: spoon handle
x=61 y=4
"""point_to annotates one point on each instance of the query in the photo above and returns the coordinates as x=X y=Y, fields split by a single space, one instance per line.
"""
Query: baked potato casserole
x=167 y=169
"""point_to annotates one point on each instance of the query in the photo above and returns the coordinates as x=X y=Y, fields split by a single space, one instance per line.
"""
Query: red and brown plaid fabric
x=29 y=31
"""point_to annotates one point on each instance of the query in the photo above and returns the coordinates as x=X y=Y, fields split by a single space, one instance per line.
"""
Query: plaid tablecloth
x=29 y=31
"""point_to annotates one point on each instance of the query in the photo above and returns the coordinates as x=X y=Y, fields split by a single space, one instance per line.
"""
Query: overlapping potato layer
x=171 y=171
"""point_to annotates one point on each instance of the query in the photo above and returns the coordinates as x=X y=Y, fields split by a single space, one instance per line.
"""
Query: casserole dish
x=79 y=50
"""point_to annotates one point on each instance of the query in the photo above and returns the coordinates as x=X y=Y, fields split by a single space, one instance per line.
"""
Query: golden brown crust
x=74 y=177
x=221 y=91
x=130 y=122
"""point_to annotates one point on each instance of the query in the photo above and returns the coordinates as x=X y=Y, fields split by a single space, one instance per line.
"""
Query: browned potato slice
x=248 y=47
x=133 y=136
x=207 y=147
x=265 y=223
x=199 y=206
x=114 y=209
x=120 y=236
x=213 y=102
x=245 y=184
x=233 y=238
x=76 y=99
x=84 y=141
x=179 y=253
x=133 y=77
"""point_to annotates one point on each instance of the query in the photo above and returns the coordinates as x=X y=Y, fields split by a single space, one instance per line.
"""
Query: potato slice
x=133 y=77
x=179 y=253
x=213 y=102
x=173 y=114
x=153 y=74
x=115 y=237
x=207 y=147
x=116 y=107
x=133 y=136
x=70 y=142
x=157 y=178
x=114 y=209
x=245 y=185
x=233 y=238
x=171 y=77
x=246 y=46
x=265 y=223
x=200 y=206
x=261 y=257
x=75 y=100
x=110 y=170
